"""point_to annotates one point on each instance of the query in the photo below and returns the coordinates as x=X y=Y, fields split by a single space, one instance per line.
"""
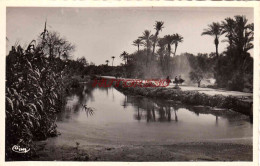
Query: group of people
x=176 y=80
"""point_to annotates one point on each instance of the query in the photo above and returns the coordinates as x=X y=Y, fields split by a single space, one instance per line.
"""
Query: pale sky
x=100 y=33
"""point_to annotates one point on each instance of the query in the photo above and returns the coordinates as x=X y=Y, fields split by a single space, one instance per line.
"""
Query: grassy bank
x=190 y=97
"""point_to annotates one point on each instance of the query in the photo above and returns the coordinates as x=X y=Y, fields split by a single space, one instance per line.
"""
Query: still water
x=134 y=120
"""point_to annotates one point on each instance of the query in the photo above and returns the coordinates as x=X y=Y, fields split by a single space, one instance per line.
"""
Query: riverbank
x=241 y=104
x=201 y=151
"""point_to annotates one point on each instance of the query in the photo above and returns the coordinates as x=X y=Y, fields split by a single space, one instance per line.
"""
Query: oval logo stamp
x=18 y=149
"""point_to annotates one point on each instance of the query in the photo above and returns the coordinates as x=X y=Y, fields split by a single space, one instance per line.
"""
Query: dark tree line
x=234 y=67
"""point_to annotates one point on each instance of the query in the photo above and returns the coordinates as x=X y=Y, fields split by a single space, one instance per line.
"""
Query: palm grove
x=156 y=57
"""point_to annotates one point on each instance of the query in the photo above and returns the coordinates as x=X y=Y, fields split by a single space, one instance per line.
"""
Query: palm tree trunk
x=176 y=45
x=138 y=47
x=147 y=53
x=216 y=43
x=112 y=62
x=154 y=45
x=169 y=57
x=217 y=50
x=153 y=48
x=169 y=50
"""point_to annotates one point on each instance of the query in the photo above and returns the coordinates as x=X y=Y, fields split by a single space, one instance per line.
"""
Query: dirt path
x=208 y=91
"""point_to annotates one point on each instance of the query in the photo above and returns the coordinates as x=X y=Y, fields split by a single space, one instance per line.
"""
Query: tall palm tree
x=107 y=61
x=147 y=37
x=158 y=27
x=215 y=30
x=169 y=40
x=228 y=29
x=161 y=51
x=138 y=43
x=124 y=56
x=113 y=57
x=177 y=39
x=244 y=34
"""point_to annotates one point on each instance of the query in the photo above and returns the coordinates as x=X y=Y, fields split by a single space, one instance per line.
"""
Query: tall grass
x=34 y=94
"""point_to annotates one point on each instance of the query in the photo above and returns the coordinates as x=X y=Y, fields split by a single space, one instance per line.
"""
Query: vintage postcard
x=128 y=82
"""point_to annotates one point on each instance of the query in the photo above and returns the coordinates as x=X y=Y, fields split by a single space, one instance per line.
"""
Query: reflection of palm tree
x=216 y=120
x=176 y=117
x=125 y=102
x=153 y=112
x=168 y=111
x=138 y=116
x=138 y=103
x=107 y=91
x=113 y=94
x=150 y=111
x=148 y=115
x=161 y=114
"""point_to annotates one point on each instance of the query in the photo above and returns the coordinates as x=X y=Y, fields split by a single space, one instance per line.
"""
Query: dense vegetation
x=37 y=80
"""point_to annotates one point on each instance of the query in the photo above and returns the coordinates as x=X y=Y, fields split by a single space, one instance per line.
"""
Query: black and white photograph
x=130 y=84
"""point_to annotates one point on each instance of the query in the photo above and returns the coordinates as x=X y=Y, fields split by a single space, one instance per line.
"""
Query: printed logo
x=18 y=149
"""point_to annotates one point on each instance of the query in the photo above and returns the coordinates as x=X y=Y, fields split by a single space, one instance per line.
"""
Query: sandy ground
x=207 y=151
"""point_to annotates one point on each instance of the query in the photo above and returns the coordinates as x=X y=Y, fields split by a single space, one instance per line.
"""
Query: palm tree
x=228 y=29
x=215 y=30
x=124 y=56
x=147 y=36
x=138 y=43
x=240 y=36
x=158 y=27
x=244 y=34
x=169 y=40
x=113 y=57
x=107 y=61
x=177 y=39
x=161 y=51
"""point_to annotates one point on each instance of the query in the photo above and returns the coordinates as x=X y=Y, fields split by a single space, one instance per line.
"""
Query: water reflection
x=76 y=100
x=154 y=110
x=146 y=109
x=125 y=118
